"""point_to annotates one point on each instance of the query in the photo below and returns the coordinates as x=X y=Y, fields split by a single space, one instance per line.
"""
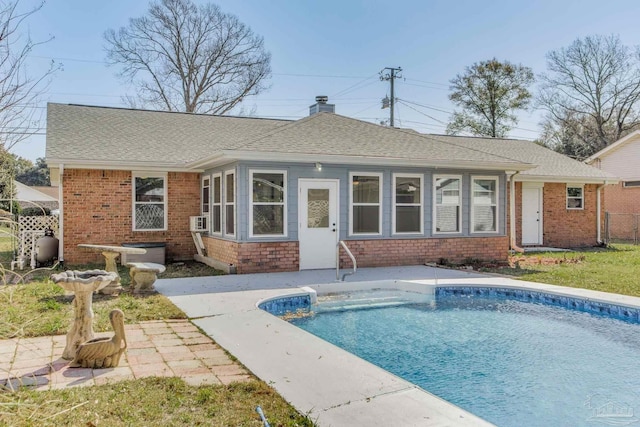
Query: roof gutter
x=115 y=165
x=566 y=179
x=227 y=156
x=61 y=216
x=598 y=214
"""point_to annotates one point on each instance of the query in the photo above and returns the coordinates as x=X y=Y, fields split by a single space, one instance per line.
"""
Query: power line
x=451 y=112
x=431 y=83
x=355 y=86
x=420 y=112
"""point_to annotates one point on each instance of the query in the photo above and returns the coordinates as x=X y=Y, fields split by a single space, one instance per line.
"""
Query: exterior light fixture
x=318 y=166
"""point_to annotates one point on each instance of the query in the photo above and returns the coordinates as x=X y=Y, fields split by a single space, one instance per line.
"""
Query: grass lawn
x=39 y=307
x=149 y=402
x=614 y=269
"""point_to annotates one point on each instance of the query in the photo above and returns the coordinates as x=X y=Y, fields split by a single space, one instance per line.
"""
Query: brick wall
x=568 y=228
x=623 y=205
x=222 y=250
x=391 y=252
x=254 y=257
x=562 y=227
x=98 y=210
x=618 y=199
x=283 y=256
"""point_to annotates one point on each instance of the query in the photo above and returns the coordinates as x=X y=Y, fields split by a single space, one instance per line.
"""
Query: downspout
x=61 y=217
x=512 y=214
x=598 y=215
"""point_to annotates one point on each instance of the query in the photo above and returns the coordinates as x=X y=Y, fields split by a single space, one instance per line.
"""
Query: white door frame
x=538 y=188
x=318 y=246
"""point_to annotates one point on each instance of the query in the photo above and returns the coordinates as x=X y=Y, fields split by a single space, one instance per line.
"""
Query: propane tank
x=46 y=248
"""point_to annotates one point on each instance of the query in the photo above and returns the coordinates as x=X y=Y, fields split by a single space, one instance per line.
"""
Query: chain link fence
x=621 y=227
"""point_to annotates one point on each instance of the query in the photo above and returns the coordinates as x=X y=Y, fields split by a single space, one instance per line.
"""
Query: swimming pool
x=513 y=358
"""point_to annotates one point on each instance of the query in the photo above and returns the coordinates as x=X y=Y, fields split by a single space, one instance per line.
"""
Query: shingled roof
x=550 y=165
x=102 y=136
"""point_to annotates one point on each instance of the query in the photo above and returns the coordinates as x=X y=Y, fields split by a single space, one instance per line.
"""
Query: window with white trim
x=407 y=203
x=447 y=203
x=216 y=205
x=575 y=197
x=267 y=204
x=149 y=201
x=630 y=184
x=484 y=204
x=365 y=211
x=230 y=203
x=205 y=196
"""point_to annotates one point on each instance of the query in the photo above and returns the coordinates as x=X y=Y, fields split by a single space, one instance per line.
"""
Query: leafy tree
x=7 y=175
x=185 y=57
x=590 y=94
x=19 y=92
x=34 y=175
x=488 y=94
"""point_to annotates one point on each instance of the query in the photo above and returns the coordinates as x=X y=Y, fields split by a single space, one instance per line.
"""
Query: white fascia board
x=565 y=179
x=612 y=147
x=96 y=164
x=217 y=159
x=232 y=155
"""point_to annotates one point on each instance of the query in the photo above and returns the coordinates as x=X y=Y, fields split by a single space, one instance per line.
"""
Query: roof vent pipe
x=321 y=106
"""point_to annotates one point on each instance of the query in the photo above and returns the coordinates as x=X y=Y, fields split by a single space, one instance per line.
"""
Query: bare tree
x=590 y=94
x=19 y=91
x=489 y=92
x=183 y=57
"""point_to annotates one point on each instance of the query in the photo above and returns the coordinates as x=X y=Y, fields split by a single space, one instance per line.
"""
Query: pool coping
x=332 y=386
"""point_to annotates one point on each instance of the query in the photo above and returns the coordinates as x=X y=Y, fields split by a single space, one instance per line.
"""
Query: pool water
x=512 y=363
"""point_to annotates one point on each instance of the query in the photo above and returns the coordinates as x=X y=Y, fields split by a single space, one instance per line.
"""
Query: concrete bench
x=143 y=275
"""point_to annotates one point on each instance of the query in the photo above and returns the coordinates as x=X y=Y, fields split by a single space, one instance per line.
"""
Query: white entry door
x=531 y=214
x=317 y=223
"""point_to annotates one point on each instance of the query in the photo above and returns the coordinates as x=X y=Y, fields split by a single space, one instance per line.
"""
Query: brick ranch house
x=280 y=194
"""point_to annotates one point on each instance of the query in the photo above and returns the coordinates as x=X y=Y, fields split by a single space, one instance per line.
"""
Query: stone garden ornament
x=103 y=352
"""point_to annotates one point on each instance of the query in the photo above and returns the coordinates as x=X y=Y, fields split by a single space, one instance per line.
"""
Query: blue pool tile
x=284 y=305
x=628 y=314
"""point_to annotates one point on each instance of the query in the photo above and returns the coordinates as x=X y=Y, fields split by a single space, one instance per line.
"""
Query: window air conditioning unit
x=199 y=223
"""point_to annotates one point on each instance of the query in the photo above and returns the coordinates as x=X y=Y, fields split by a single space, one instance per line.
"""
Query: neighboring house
x=36 y=197
x=621 y=159
x=280 y=194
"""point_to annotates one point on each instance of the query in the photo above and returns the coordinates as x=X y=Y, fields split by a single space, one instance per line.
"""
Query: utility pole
x=390 y=74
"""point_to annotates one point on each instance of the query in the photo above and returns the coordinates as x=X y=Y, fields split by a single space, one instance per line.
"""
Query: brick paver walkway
x=164 y=348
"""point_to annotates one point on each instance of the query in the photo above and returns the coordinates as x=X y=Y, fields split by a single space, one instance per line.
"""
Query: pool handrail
x=353 y=260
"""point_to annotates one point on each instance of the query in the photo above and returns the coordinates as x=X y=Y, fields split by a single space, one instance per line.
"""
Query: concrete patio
x=333 y=387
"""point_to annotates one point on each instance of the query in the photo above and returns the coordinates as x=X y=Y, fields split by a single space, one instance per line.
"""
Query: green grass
x=150 y=401
x=615 y=269
x=39 y=307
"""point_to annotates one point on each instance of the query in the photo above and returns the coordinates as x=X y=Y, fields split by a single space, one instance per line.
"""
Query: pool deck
x=333 y=387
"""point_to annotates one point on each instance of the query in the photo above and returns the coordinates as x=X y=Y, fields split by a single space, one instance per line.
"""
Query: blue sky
x=337 y=48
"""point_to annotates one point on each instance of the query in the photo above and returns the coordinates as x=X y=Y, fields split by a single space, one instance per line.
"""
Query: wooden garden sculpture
x=103 y=352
